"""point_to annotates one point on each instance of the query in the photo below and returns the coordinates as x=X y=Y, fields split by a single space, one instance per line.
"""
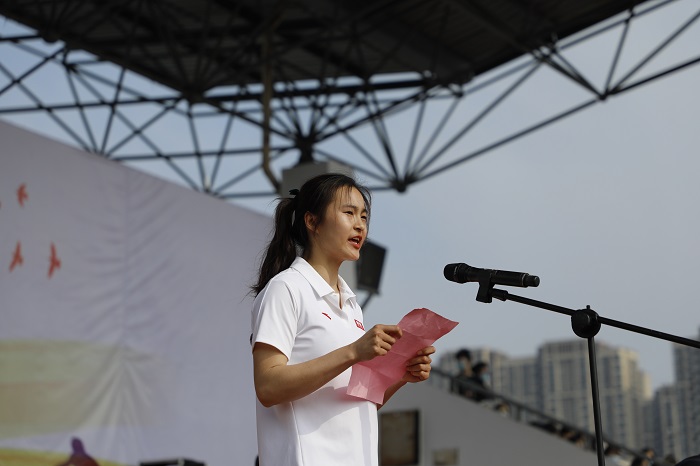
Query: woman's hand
x=377 y=341
x=418 y=368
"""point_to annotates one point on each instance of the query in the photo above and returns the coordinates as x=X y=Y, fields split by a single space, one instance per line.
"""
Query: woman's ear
x=310 y=222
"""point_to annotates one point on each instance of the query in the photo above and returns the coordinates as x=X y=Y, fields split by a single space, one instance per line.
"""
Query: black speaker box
x=369 y=267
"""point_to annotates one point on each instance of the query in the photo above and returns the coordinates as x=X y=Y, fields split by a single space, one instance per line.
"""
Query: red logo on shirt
x=359 y=324
x=329 y=317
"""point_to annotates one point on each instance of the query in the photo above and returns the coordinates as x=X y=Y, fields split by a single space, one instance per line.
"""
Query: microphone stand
x=586 y=323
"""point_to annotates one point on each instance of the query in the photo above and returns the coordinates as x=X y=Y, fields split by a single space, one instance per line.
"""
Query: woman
x=307 y=332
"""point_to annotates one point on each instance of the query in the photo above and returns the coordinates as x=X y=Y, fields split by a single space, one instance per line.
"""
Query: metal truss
x=394 y=130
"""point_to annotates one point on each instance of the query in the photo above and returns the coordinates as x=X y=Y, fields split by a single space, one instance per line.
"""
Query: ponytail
x=290 y=236
x=282 y=249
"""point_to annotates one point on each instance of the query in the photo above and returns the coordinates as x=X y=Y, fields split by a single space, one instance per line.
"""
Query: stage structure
x=258 y=87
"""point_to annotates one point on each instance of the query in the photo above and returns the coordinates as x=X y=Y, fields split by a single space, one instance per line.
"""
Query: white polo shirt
x=298 y=313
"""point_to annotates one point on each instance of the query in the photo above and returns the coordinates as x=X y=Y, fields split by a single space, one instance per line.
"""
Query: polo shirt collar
x=346 y=291
x=317 y=282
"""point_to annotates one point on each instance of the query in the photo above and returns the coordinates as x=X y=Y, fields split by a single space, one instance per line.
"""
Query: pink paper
x=421 y=328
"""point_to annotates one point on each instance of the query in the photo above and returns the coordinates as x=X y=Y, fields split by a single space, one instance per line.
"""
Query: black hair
x=478 y=366
x=290 y=236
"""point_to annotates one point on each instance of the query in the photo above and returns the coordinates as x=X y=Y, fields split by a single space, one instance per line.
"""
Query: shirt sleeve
x=275 y=317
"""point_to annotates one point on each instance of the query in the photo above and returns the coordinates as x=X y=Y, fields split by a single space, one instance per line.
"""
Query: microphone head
x=463 y=273
x=453 y=272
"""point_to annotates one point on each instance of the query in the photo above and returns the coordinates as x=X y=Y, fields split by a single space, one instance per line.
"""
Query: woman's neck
x=327 y=270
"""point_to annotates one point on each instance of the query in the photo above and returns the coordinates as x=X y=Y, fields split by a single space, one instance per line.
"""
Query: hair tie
x=293 y=203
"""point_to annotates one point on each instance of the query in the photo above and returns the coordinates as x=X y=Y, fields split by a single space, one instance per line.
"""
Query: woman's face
x=344 y=229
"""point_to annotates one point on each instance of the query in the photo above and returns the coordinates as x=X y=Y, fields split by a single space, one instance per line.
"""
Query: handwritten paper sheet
x=421 y=328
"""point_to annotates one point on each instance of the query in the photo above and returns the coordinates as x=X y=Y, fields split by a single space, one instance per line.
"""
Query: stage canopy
x=310 y=80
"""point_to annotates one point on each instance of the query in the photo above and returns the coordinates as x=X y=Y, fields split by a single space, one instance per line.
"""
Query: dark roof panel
x=196 y=45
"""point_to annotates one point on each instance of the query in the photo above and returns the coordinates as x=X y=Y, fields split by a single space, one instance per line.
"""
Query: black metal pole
x=596 y=402
x=586 y=324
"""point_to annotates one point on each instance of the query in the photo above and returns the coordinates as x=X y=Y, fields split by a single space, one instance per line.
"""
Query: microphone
x=462 y=273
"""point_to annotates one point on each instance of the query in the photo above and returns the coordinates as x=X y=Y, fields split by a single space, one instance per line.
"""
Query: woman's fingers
x=419 y=367
x=377 y=341
x=384 y=337
x=392 y=330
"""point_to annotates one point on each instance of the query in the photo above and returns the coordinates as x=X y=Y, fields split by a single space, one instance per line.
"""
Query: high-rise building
x=687 y=372
x=666 y=423
x=566 y=388
x=623 y=389
x=519 y=379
